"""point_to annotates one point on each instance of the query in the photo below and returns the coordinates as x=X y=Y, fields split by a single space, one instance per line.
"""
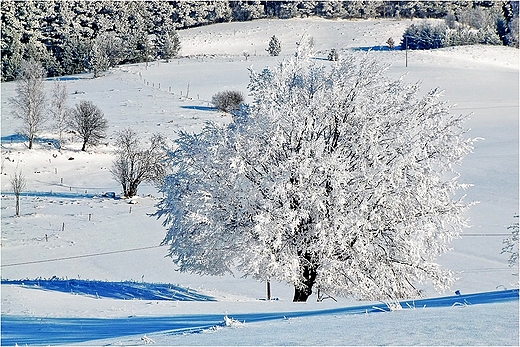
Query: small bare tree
x=58 y=109
x=18 y=184
x=333 y=55
x=135 y=164
x=29 y=102
x=87 y=120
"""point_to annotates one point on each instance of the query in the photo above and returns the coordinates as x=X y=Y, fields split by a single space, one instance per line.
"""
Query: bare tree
x=135 y=164
x=18 y=184
x=87 y=120
x=58 y=109
x=29 y=102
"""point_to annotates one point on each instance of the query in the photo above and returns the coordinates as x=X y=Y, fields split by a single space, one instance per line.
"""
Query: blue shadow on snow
x=374 y=48
x=63 y=78
x=114 y=290
x=44 y=331
x=65 y=195
x=18 y=138
x=200 y=108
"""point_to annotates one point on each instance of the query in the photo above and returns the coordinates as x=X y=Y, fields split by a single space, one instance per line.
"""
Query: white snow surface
x=481 y=80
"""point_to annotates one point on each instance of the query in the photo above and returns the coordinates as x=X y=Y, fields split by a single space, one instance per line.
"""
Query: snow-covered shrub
x=511 y=244
x=450 y=20
x=228 y=100
x=336 y=177
x=304 y=46
x=146 y=340
x=333 y=55
x=275 y=46
x=474 y=17
x=424 y=36
x=390 y=43
x=428 y=36
x=231 y=322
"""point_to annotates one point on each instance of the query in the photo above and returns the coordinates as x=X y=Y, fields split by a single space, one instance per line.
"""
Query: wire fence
x=80 y=256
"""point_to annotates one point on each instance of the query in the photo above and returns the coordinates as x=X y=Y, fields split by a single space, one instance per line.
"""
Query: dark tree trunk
x=129 y=190
x=132 y=189
x=303 y=293
x=17 y=208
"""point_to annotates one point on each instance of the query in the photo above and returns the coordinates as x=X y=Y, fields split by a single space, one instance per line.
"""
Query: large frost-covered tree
x=335 y=177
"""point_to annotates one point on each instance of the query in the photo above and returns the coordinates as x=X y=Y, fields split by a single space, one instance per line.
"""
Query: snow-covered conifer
x=99 y=61
x=168 y=44
x=335 y=177
x=275 y=47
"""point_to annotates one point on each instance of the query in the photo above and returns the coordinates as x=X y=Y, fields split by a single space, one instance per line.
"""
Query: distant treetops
x=69 y=37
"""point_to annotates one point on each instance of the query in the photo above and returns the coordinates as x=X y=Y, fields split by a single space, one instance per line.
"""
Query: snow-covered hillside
x=62 y=222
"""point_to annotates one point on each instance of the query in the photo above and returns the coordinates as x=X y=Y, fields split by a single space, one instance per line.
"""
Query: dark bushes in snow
x=228 y=100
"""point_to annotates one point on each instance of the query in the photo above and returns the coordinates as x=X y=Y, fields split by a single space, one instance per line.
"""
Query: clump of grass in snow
x=230 y=322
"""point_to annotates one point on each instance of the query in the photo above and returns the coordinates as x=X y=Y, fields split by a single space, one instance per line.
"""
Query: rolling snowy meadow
x=77 y=257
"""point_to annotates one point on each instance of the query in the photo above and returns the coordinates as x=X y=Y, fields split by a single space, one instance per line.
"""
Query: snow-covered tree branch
x=336 y=177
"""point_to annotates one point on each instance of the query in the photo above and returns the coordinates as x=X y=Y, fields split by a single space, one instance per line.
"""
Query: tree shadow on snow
x=66 y=78
x=375 y=49
x=18 y=138
x=114 y=290
x=200 y=108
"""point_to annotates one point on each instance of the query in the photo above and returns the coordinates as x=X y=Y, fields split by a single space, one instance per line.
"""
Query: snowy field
x=69 y=231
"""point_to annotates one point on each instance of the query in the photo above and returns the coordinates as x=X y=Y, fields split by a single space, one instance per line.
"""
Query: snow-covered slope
x=167 y=97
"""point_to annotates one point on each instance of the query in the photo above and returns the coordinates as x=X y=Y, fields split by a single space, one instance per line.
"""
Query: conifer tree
x=275 y=47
